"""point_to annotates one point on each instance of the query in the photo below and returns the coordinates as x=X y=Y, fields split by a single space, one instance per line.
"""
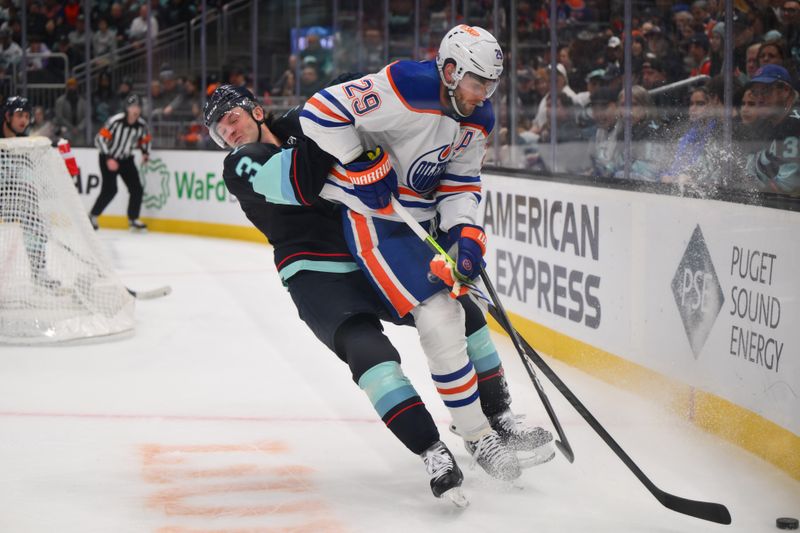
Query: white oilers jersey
x=437 y=155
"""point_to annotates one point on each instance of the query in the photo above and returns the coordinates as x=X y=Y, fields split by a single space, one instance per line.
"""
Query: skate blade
x=456 y=495
x=540 y=455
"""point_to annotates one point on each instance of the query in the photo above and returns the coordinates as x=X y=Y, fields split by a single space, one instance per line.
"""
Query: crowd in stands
x=678 y=121
x=677 y=127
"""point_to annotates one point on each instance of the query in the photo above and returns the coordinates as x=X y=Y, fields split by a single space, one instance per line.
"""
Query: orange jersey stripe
x=466 y=386
x=376 y=270
x=325 y=109
x=475 y=126
x=105 y=133
x=339 y=175
x=458 y=188
x=408 y=192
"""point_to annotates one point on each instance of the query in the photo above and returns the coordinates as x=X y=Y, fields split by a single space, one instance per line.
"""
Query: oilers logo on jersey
x=426 y=170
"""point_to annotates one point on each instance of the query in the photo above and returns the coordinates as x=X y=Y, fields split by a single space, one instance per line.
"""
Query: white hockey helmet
x=471 y=49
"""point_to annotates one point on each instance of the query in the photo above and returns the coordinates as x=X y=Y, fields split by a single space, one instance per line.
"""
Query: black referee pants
x=108 y=189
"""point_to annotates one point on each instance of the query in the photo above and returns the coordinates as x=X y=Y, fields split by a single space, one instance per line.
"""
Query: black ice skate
x=137 y=226
x=496 y=458
x=93 y=222
x=534 y=445
x=446 y=477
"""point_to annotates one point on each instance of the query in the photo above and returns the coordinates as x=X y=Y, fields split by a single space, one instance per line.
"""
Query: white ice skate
x=534 y=445
x=496 y=458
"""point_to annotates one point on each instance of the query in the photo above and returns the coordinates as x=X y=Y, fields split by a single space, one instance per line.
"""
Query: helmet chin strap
x=452 y=94
x=259 y=123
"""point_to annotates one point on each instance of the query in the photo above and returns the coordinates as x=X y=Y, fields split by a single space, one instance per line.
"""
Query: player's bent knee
x=361 y=344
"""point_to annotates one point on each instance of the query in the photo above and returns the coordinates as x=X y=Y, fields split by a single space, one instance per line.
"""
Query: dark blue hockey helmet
x=17 y=103
x=222 y=100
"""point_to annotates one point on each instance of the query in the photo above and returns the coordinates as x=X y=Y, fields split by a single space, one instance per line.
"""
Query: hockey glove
x=468 y=248
x=374 y=180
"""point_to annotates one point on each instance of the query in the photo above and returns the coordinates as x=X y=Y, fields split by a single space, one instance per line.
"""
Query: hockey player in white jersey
x=430 y=122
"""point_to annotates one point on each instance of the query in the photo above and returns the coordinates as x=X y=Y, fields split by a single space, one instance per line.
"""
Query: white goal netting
x=56 y=283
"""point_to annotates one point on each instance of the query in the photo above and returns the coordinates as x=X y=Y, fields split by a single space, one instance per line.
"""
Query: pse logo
x=427 y=169
x=697 y=291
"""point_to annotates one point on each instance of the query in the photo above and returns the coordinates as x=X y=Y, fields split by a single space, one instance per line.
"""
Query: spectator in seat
x=562 y=86
x=697 y=154
x=71 y=113
x=698 y=52
x=104 y=41
x=752 y=59
x=285 y=86
x=771 y=53
x=123 y=90
x=322 y=56
x=790 y=18
x=42 y=125
x=40 y=51
x=118 y=23
x=71 y=10
x=604 y=150
x=776 y=166
x=186 y=106
x=10 y=52
x=138 y=28
x=104 y=101
x=77 y=37
x=648 y=146
x=567 y=127
x=310 y=81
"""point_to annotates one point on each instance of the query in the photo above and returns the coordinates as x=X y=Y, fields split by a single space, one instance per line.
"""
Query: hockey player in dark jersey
x=277 y=175
x=777 y=165
x=18 y=194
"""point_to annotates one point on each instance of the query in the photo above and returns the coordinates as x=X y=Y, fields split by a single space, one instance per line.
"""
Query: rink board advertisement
x=702 y=292
x=699 y=294
x=183 y=191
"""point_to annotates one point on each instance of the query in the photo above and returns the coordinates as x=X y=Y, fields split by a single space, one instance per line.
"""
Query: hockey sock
x=375 y=366
x=440 y=324
x=399 y=406
x=491 y=378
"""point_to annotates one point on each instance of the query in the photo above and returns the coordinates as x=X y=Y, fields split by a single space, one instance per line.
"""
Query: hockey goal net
x=56 y=283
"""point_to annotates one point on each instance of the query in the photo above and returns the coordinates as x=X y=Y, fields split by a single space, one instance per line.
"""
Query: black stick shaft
x=562 y=443
x=713 y=512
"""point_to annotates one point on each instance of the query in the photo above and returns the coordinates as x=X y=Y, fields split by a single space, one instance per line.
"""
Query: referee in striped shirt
x=116 y=140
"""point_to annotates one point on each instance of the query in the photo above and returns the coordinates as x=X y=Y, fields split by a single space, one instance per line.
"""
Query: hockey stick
x=150 y=294
x=713 y=512
x=499 y=314
x=139 y=295
x=411 y=222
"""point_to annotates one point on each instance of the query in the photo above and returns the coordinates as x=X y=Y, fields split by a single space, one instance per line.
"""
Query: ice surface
x=224 y=414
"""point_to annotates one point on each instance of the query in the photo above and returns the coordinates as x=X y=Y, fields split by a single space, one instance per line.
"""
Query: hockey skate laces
x=438 y=462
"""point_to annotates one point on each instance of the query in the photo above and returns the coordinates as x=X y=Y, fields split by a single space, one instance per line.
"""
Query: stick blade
x=713 y=512
x=566 y=451
x=151 y=294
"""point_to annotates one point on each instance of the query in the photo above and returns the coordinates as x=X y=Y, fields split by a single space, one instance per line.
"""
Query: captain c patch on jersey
x=425 y=171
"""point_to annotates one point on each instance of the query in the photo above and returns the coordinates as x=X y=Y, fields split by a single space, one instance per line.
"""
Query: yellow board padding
x=205 y=229
x=716 y=415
